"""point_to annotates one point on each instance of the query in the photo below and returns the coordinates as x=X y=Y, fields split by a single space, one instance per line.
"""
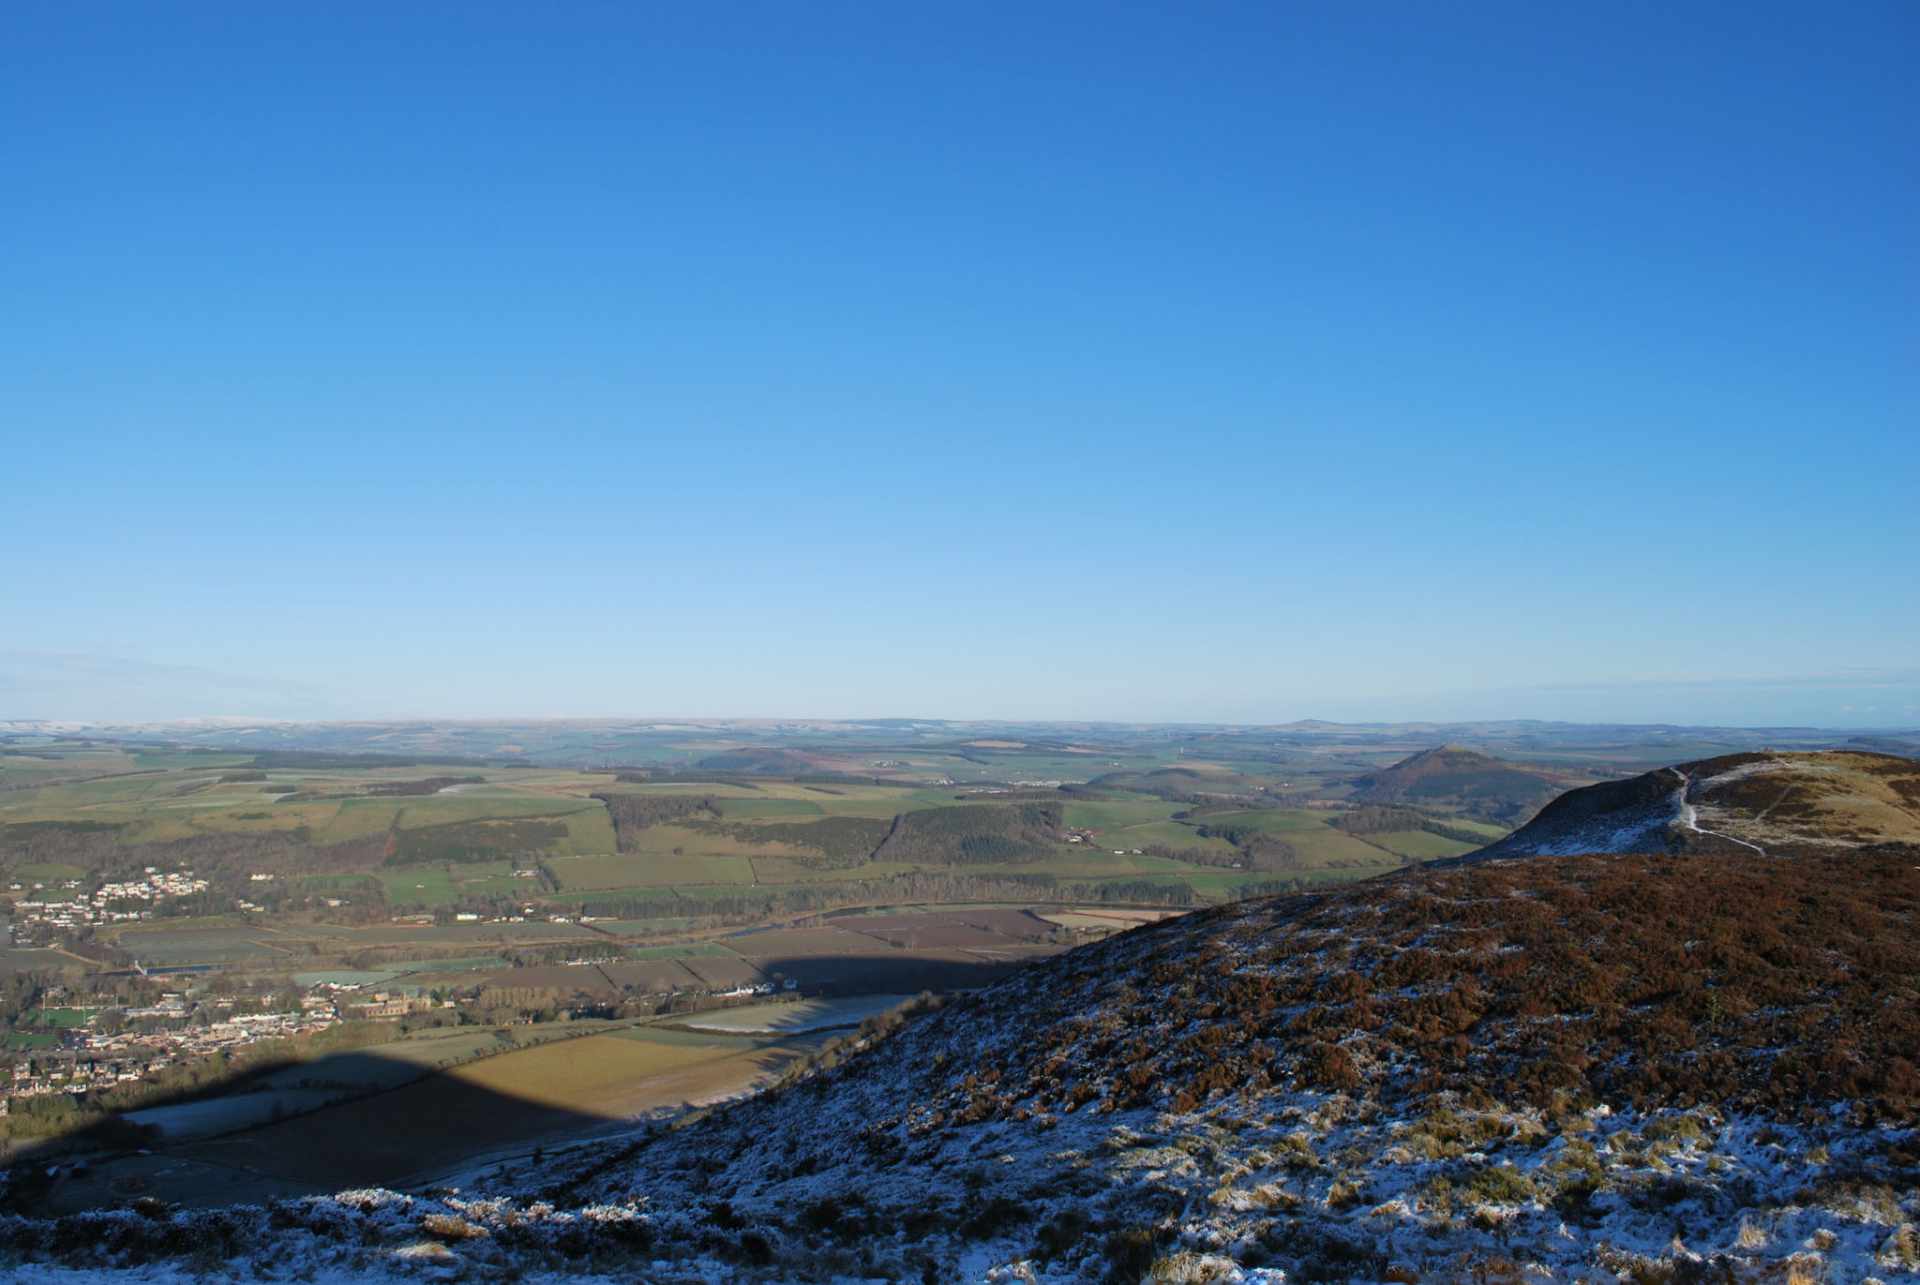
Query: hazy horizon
x=155 y=694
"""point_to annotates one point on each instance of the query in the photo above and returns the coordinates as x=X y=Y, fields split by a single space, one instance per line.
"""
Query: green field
x=647 y=927
x=60 y=1019
x=181 y=796
x=749 y=809
x=196 y=945
x=647 y=869
x=1420 y=845
x=1487 y=828
x=1140 y=823
x=1324 y=848
x=1119 y=813
x=692 y=950
x=444 y=885
x=47 y=872
x=786 y=870
x=336 y=883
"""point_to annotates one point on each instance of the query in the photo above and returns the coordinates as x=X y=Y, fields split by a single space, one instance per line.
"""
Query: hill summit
x=1779 y=803
x=1464 y=778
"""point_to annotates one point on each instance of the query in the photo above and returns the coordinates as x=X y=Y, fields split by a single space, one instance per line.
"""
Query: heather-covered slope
x=1768 y=802
x=1601 y=1064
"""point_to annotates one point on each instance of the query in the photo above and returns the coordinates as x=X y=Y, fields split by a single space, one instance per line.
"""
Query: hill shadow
x=381 y=1122
x=364 y=1119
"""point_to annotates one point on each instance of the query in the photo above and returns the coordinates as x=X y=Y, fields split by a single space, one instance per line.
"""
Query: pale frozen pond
x=224 y=1115
x=797 y=1017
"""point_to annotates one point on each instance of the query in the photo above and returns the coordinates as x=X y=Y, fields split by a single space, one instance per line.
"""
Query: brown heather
x=1770 y=985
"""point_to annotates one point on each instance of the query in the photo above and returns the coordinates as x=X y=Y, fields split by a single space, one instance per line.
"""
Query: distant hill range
x=1450 y=776
x=1901 y=746
x=1765 y=802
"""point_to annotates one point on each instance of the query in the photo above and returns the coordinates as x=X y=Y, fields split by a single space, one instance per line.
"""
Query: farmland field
x=643 y=869
x=789 y=870
x=655 y=927
x=47 y=872
x=1324 y=848
x=195 y=945
x=675 y=952
x=19 y=960
x=1486 y=828
x=1111 y=920
x=1420 y=845
x=1088 y=861
x=1280 y=821
x=559 y=1088
x=442 y=885
x=59 y=1019
x=1118 y=814
x=749 y=809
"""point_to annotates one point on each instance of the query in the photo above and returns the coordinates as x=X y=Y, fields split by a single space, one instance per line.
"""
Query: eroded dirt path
x=1690 y=815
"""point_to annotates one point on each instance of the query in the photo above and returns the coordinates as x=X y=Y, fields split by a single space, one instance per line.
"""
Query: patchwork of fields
x=583 y=924
x=335 y=853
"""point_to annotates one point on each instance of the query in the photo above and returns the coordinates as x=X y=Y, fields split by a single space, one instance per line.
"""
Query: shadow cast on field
x=379 y=1134
x=396 y=1122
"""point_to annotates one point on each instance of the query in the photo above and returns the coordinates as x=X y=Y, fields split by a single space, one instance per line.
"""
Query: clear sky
x=1185 y=362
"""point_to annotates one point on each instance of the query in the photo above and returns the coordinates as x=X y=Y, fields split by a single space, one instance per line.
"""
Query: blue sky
x=1211 y=362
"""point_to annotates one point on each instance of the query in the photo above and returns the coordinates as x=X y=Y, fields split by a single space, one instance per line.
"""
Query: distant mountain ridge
x=681 y=741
